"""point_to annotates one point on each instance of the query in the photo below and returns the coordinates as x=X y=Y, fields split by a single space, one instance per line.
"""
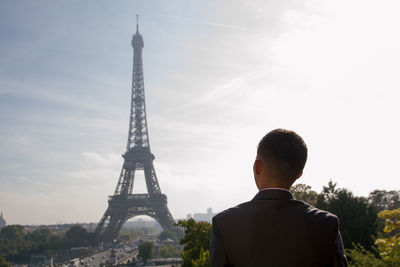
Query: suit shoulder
x=318 y=213
x=235 y=211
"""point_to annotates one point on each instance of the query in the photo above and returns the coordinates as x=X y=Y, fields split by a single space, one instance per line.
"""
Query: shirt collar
x=274 y=188
x=273 y=194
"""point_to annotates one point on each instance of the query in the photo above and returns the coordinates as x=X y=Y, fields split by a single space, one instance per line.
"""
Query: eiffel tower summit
x=124 y=205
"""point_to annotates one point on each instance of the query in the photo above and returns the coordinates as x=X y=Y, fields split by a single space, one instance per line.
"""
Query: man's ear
x=299 y=175
x=257 y=167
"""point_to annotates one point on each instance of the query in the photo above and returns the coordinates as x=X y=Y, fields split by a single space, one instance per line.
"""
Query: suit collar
x=273 y=193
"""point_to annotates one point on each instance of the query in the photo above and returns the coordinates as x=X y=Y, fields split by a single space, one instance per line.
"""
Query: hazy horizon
x=218 y=75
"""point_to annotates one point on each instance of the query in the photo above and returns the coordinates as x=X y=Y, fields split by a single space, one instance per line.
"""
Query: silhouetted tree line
x=17 y=244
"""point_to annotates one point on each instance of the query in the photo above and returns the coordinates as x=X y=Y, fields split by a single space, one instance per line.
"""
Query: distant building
x=203 y=217
x=3 y=222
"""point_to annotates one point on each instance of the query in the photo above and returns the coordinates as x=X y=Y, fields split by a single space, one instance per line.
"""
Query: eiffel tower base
x=122 y=208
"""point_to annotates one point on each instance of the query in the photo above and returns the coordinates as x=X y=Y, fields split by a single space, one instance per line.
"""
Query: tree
x=328 y=193
x=4 y=263
x=12 y=241
x=389 y=245
x=164 y=235
x=39 y=239
x=385 y=200
x=146 y=250
x=18 y=244
x=303 y=192
x=169 y=251
x=196 y=243
x=203 y=260
x=358 y=220
x=13 y=232
x=77 y=236
x=387 y=250
x=57 y=241
x=360 y=257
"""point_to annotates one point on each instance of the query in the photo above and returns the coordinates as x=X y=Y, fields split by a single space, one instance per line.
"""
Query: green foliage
x=146 y=250
x=12 y=241
x=4 y=263
x=18 y=244
x=164 y=235
x=303 y=192
x=196 y=243
x=384 y=200
x=203 y=260
x=57 y=241
x=169 y=251
x=41 y=235
x=389 y=246
x=13 y=232
x=360 y=257
x=387 y=250
x=358 y=220
x=77 y=236
x=40 y=239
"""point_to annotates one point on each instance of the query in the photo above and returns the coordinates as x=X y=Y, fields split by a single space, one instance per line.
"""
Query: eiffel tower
x=124 y=204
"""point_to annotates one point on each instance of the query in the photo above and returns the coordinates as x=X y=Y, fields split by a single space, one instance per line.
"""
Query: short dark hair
x=286 y=150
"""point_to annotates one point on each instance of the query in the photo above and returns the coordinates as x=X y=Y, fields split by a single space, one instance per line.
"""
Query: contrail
x=223 y=90
x=235 y=27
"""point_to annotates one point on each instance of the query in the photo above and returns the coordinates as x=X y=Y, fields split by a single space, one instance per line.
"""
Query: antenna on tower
x=137 y=23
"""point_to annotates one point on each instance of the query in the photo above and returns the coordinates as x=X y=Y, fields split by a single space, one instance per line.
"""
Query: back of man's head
x=285 y=151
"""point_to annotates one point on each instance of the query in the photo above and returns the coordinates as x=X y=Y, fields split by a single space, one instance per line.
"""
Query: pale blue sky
x=218 y=75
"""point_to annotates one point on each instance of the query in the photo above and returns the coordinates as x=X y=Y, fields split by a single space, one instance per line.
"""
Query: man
x=273 y=229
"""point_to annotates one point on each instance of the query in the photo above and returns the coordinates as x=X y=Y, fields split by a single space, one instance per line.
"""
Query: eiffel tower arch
x=124 y=205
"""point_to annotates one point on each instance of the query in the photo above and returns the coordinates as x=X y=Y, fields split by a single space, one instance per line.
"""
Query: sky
x=218 y=76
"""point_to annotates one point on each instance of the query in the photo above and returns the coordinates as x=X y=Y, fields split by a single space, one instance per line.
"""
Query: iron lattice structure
x=124 y=204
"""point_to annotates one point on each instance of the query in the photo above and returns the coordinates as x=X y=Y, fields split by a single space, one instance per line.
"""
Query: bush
x=387 y=247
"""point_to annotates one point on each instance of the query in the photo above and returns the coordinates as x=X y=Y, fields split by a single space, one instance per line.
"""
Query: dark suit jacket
x=273 y=229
